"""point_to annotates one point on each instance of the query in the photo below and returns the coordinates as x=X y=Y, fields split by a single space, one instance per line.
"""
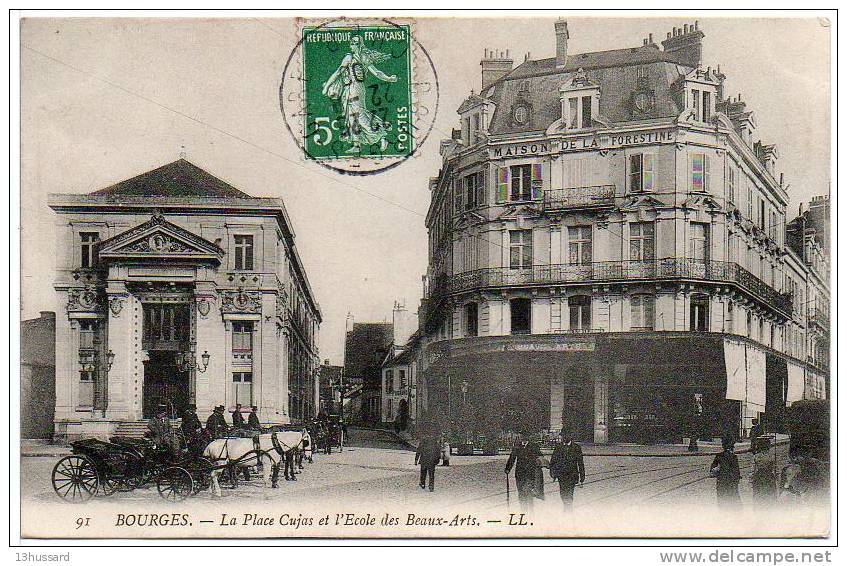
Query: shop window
x=242 y=388
x=579 y=311
x=520 y=249
x=521 y=310
x=88 y=251
x=642 y=312
x=242 y=336
x=699 y=313
x=244 y=253
x=642 y=241
x=471 y=319
x=641 y=172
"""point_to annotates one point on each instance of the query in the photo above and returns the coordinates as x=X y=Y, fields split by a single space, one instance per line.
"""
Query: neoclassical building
x=177 y=288
x=607 y=252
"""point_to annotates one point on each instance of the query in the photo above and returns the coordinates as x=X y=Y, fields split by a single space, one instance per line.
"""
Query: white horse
x=269 y=449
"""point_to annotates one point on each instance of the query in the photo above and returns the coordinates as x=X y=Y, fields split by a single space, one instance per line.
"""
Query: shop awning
x=796 y=383
x=745 y=373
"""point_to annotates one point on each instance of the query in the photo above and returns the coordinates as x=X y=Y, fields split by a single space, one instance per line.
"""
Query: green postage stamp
x=363 y=104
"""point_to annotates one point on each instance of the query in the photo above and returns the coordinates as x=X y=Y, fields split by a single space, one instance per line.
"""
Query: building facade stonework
x=179 y=289
x=607 y=252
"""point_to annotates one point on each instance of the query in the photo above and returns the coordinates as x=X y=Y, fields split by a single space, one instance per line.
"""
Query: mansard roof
x=536 y=84
x=178 y=179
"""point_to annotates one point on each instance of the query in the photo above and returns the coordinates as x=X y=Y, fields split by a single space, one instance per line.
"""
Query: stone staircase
x=137 y=429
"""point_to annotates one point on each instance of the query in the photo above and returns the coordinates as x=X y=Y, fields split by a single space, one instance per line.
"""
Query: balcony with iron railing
x=669 y=269
x=820 y=317
x=578 y=197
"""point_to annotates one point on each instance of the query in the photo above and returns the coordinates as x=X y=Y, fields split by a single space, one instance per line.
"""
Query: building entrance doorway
x=165 y=383
x=167 y=335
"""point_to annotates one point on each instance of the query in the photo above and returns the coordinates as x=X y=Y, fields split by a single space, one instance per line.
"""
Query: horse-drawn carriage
x=99 y=468
x=96 y=468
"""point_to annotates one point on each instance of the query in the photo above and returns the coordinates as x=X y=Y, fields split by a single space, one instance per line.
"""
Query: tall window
x=762 y=215
x=88 y=256
x=401 y=377
x=521 y=310
x=698 y=244
x=642 y=312
x=700 y=172
x=244 y=253
x=573 y=111
x=695 y=100
x=642 y=245
x=242 y=336
x=707 y=106
x=699 y=315
x=86 y=389
x=579 y=311
x=749 y=324
x=730 y=318
x=641 y=171
x=472 y=319
x=389 y=381
x=586 y=111
x=242 y=387
x=520 y=249
x=521 y=176
x=87 y=333
x=579 y=245
x=730 y=183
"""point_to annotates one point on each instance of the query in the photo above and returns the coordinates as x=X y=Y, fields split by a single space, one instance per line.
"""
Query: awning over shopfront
x=745 y=373
x=796 y=383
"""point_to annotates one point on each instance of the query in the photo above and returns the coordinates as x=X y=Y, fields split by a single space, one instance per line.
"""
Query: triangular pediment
x=159 y=239
x=641 y=201
x=701 y=202
x=516 y=211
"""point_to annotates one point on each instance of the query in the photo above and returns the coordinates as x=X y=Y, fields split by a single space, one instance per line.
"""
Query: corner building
x=177 y=288
x=607 y=251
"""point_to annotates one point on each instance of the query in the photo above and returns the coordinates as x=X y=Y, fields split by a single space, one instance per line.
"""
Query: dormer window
x=700 y=89
x=580 y=102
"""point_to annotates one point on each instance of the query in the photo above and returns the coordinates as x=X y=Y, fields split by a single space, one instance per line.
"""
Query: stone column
x=122 y=342
x=210 y=338
x=601 y=405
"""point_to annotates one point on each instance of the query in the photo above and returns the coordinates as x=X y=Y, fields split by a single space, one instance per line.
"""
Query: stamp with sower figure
x=364 y=103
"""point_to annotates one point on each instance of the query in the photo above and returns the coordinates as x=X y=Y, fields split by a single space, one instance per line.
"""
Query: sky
x=103 y=100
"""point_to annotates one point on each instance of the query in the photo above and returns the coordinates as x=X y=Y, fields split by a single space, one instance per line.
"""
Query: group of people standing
x=195 y=436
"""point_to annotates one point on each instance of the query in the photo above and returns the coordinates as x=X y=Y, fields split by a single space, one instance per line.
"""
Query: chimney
x=561 y=43
x=686 y=44
x=495 y=65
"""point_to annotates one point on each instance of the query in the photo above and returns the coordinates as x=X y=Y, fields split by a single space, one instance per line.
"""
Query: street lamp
x=110 y=359
x=188 y=362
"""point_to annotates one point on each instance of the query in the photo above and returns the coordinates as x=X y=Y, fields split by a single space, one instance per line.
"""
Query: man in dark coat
x=725 y=469
x=525 y=458
x=253 y=419
x=428 y=455
x=567 y=467
x=192 y=428
x=756 y=431
x=237 y=417
x=216 y=423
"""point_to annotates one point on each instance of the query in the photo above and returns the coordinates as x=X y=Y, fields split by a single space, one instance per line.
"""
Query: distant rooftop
x=178 y=179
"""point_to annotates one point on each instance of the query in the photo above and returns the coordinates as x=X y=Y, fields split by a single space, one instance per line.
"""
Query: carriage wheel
x=75 y=479
x=175 y=484
x=108 y=486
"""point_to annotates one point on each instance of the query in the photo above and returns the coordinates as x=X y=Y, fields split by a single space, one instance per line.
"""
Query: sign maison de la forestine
x=580 y=143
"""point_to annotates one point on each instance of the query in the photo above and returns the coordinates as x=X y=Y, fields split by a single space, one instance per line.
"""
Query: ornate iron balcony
x=622 y=271
x=579 y=197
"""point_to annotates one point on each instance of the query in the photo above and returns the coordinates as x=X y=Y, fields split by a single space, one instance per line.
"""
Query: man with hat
x=253 y=419
x=727 y=472
x=567 y=467
x=216 y=423
x=237 y=417
x=191 y=427
x=526 y=459
x=160 y=431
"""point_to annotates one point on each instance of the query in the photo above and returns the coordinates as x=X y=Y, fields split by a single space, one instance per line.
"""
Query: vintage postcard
x=422 y=276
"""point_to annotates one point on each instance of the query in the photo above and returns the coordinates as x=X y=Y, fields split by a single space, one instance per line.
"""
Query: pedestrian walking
x=526 y=460
x=567 y=467
x=725 y=468
x=428 y=455
x=756 y=431
x=764 y=478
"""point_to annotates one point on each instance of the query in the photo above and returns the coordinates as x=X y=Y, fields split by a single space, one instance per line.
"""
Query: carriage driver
x=216 y=423
x=253 y=419
x=160 y=430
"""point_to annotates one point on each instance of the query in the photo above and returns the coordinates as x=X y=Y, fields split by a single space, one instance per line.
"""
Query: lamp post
x=188 y=362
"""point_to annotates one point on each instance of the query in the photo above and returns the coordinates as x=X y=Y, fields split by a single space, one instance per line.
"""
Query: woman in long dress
x=347 y=84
